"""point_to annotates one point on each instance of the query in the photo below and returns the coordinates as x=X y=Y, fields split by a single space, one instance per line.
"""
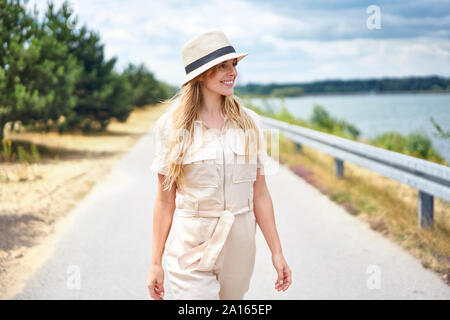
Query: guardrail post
x=298 y=147
x=425 y=209
x=339 y=167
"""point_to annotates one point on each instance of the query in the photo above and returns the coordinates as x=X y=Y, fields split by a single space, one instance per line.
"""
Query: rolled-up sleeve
x=160 y=147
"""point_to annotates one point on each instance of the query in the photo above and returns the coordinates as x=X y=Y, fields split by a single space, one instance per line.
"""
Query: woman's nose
x=233 y=71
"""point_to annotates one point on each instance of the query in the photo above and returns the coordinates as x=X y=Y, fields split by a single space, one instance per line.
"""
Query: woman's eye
x=224 y=65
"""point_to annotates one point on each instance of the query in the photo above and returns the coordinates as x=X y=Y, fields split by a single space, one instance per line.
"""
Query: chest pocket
x=200 y=168
x=242 y=171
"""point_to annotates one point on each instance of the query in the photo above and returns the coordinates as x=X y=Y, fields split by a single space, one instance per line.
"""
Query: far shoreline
x=358 y=93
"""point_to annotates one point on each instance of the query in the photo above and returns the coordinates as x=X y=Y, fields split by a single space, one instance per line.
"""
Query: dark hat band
x=209 y=57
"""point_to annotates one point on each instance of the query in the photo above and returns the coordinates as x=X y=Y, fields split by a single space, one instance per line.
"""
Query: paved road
x=106 y=252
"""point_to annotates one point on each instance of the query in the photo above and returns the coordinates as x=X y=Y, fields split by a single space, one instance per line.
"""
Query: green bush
x=322 y=121
x=393 y=141
x=416 y=144
x=284 y=115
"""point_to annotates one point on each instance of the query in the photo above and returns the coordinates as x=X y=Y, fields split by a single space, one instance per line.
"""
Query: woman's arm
x=162 y=221
x=263 y=208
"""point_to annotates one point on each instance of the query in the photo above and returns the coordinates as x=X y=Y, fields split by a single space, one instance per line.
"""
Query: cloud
x=286 y=41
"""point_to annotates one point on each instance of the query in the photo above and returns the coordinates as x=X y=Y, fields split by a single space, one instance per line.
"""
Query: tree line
x=384 y=85
x=54 y=75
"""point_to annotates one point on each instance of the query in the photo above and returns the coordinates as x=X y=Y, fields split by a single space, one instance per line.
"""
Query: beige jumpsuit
x=210 y=251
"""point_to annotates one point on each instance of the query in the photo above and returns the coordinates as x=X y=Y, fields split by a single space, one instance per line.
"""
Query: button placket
x=224 y=172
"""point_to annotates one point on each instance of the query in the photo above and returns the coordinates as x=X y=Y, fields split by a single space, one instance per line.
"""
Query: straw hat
x=205 y=51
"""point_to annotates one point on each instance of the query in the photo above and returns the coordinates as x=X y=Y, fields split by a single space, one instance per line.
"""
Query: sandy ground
x=35 y=200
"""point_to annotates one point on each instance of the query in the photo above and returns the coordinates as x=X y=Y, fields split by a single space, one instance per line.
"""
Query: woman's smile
x=228 y=83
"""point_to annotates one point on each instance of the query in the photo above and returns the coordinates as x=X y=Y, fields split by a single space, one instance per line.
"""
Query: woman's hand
x=155 y=282
x=284 y=279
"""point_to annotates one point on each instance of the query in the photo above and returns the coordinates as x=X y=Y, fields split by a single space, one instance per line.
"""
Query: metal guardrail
x=431 y=179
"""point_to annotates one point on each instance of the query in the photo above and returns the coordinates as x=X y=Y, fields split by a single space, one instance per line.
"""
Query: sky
x=287 y=41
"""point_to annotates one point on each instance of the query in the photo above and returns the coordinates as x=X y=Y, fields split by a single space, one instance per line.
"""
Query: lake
x=374 y=114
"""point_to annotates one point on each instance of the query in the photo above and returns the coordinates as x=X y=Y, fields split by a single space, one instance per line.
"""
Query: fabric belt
x=208 y=251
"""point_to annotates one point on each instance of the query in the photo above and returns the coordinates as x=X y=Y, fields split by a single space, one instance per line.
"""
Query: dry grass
x=388 y=206
x=34 y=199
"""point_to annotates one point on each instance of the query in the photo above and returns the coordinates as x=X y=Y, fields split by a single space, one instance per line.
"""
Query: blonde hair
x=189 y=100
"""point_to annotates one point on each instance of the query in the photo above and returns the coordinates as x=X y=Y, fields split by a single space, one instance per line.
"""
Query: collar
x=225 y=119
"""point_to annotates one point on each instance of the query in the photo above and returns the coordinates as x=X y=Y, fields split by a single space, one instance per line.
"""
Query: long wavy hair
x=189 y=100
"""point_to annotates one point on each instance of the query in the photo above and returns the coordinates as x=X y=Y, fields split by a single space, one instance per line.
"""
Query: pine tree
x=98 y=84
x=20 y=51
x=146 y=89
x=65 y=73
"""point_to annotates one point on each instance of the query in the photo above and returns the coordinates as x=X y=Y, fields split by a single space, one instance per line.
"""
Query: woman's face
x=222 y=81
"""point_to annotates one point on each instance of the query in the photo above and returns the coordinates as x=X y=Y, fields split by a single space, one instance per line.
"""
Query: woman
x=210 y=157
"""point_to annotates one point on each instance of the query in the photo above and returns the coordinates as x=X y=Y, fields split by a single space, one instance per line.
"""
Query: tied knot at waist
x=207 y=252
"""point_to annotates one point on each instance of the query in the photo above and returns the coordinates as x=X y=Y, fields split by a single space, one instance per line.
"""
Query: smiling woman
x=221 y=80
x=214 y=177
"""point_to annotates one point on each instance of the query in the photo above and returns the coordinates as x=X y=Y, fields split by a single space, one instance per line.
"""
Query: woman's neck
x=211 y=103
